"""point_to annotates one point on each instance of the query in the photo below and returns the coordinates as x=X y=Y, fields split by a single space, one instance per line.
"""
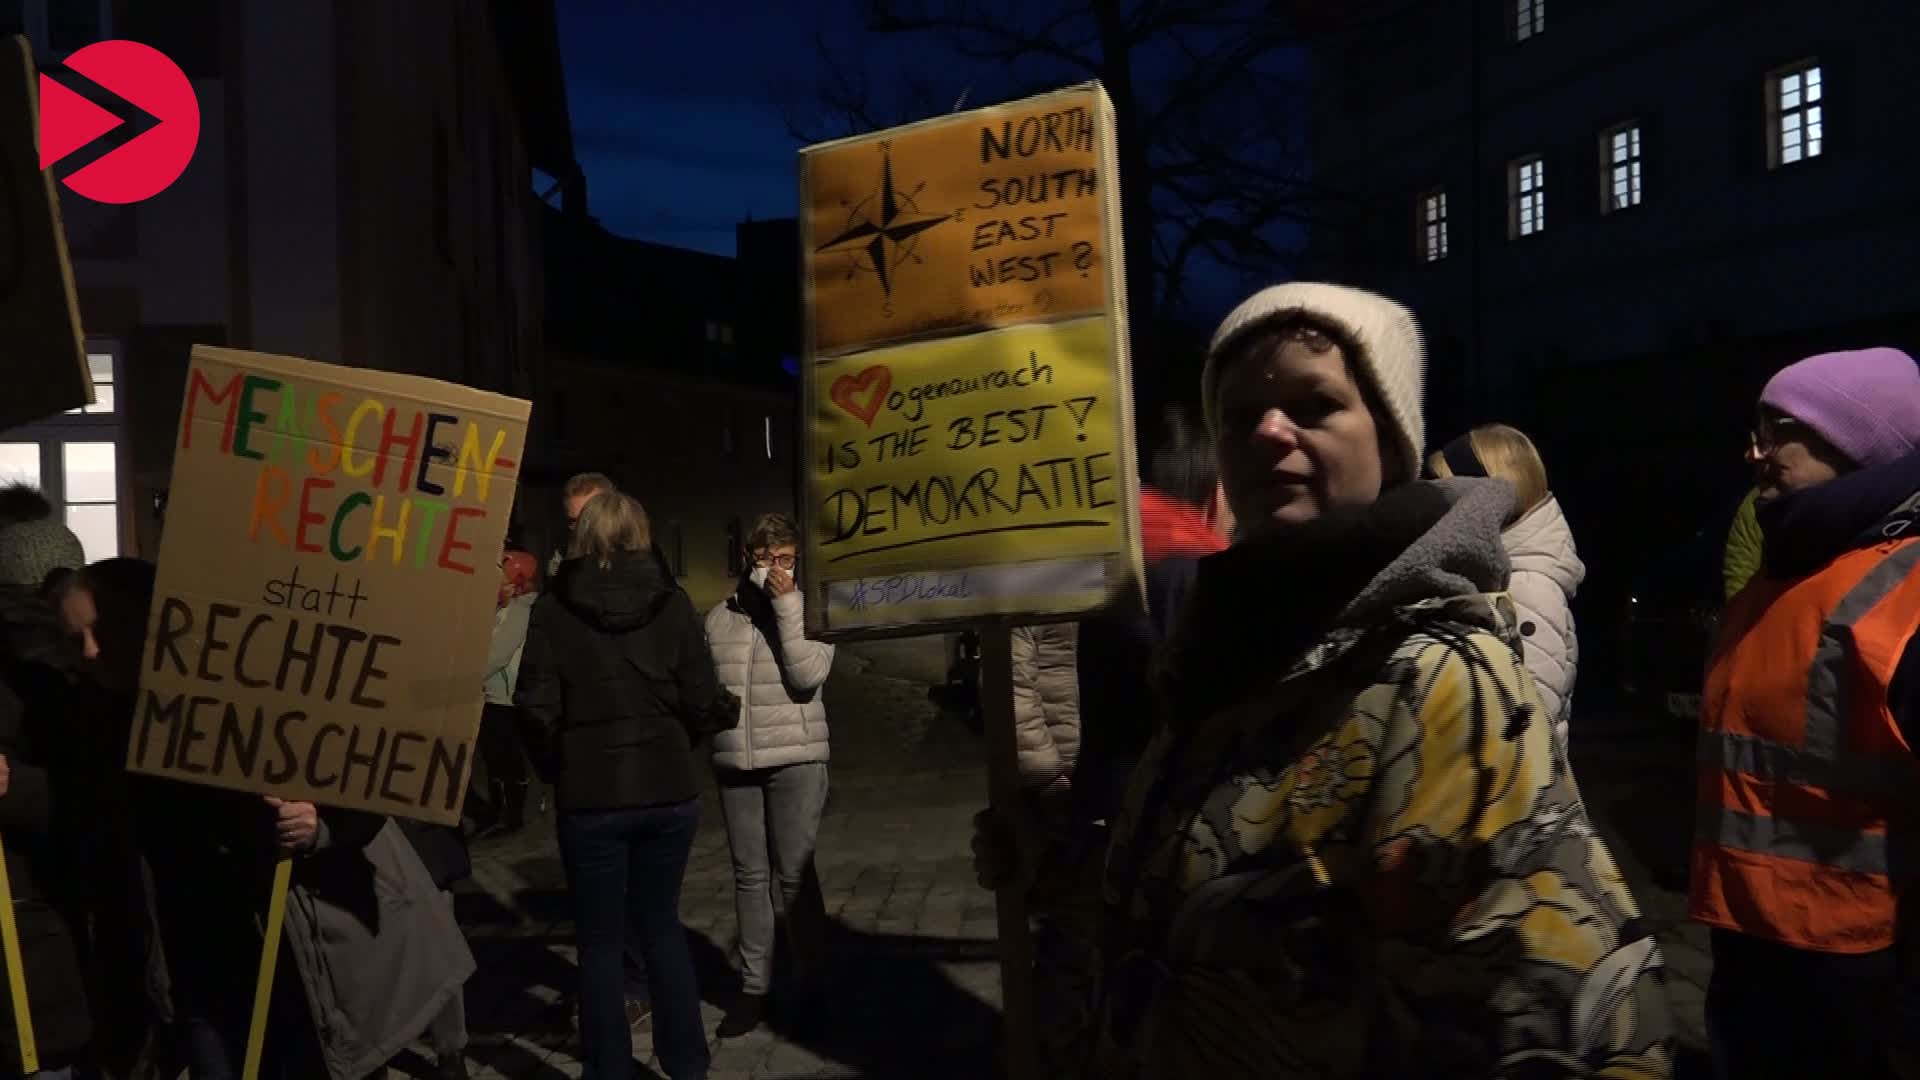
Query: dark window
x=677 y=554
x=442 y=213
x=73 y=24
x=188 y=31
x=735 y=544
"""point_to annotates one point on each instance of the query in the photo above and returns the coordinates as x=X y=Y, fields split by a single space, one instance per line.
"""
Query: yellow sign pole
x=16 y=972
x=269 y=960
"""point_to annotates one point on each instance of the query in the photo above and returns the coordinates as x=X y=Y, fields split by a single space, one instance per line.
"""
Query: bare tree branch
x=972 y=33
x=1206 y=91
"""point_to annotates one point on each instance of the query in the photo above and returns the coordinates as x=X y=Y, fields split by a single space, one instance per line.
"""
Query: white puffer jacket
x=774 y=730
x=1546 y=574
x=1046 y=701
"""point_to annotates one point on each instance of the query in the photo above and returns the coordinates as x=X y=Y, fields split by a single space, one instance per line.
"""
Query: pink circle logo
x=144 y=78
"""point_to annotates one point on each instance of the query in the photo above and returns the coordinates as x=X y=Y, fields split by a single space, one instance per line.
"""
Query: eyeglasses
x=1769 y=432
x=784 y=562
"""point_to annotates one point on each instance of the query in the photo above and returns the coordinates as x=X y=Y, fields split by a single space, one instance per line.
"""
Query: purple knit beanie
x=1865 y=402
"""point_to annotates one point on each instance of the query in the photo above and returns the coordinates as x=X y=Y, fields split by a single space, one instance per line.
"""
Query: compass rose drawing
x=881 y=238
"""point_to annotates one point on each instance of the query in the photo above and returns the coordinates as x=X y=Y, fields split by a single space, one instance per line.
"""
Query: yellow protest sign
x=968 y=408
x=957 y=448
x=40 y=340
x=328 y=575
x=982 y=219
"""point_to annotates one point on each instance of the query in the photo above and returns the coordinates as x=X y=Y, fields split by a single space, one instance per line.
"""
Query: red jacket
x=1170 y=528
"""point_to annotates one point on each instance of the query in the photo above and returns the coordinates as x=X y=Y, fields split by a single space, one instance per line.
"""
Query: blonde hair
x=1508 y=454
x=611 y=523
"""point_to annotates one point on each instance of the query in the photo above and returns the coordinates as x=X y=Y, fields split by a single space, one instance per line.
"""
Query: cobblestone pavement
x=915 y=983
x=915 y=989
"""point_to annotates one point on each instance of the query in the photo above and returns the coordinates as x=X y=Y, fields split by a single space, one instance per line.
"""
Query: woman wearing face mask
x=1350 y=849
x=1546 y=568
x=1810 y=716
x=772 y=769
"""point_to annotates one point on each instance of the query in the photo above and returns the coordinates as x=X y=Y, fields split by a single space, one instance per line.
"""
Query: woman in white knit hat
x=1351 y=850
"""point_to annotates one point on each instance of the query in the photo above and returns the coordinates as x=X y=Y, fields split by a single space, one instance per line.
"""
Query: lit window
x=1433 y=225
x=20 y=464
x=719 y=333
x=100 y=366
x=1527 y=188
x=1529 y=18
x=91 y=493
x=1620 y=152
x=1799 y=114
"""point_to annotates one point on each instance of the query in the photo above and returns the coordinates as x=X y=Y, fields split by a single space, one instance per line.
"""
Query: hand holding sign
x=296 y=825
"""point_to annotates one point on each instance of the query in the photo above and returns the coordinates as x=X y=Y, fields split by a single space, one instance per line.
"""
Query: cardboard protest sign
x=328 y=575
x=41 y=347
x=968 y=443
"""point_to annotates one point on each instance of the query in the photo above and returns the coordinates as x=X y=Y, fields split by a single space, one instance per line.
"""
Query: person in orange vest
x=1808 y=831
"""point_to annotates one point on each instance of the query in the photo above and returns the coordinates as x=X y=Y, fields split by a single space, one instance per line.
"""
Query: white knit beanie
x=1390 y=354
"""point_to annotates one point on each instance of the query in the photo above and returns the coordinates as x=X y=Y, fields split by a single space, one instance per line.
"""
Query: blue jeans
x=624 y=869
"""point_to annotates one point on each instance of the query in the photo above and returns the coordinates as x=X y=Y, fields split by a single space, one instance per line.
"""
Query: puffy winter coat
x=617 y=685
x=774 y=729
x=1046 y=701
x=1350 y=850
x=505 y=648
x=1546 y=573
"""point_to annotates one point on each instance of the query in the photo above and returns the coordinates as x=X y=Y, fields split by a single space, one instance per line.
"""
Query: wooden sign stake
x=16 y=973
x=1009 y=807
x=269 y=961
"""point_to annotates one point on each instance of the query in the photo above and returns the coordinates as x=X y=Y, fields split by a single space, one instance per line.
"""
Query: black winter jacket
x=616 y=685
x=39 y=702
x=1116 y=690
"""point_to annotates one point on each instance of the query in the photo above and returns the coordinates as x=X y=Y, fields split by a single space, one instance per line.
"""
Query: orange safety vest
x=1809 y=796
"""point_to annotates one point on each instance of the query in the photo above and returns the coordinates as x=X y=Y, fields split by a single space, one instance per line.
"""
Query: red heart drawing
x=873 y=382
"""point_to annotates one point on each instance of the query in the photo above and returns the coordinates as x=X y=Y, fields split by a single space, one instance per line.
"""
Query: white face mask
x=759 y=576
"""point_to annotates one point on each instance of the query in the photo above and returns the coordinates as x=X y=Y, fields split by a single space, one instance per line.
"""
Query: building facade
x=362 y=193
x=1615 y=221
x=667 y=375
x=1620 y=194
x=703 y=455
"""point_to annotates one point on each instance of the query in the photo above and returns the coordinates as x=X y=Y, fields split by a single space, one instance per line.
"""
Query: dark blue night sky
x=680 y=112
